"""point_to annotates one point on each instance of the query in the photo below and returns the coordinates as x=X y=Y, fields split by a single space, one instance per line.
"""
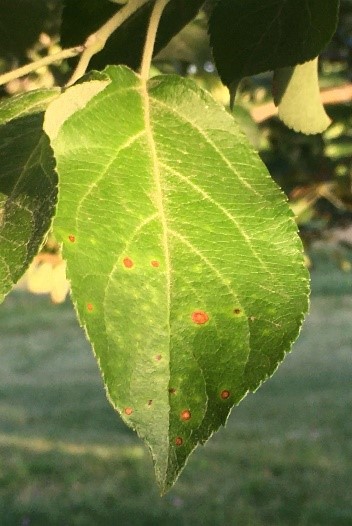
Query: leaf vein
x=211 y=143
x=225 y=212
x=100 y=177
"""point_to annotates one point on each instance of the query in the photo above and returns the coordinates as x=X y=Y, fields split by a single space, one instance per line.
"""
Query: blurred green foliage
x=314 y=171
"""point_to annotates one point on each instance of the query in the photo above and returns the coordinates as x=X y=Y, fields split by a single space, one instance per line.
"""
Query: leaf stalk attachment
x=96 y=41
x=158 y=9
x=93 y=44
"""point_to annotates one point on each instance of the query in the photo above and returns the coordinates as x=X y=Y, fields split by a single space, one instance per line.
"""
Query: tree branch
x=96 y=41
x=46 y=61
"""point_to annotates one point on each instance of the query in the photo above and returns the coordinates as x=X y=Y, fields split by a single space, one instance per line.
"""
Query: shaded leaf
x=27 y=183
x=82 y=17
x=252 y=36
x=185 y=265
x=27 y=103
x=297 y=95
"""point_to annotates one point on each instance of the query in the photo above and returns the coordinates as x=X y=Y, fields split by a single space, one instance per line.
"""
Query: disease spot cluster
x=199 y=317
x=127 y=262
x=186 y=414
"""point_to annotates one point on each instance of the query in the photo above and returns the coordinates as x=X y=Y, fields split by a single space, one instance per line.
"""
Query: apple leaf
x=184 y=260
x=252 y=36
x=28 y=184
x=297 y=95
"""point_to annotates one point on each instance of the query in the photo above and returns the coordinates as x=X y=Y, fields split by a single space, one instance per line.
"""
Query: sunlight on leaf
x=297 y=95
x=185 y=265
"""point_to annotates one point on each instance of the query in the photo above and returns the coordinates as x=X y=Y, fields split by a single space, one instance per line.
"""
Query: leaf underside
x=297 y=95
x=186 y=269
x=252 y=36
x=28 y=183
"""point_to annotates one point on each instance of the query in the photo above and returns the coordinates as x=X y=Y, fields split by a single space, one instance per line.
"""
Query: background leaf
x=185 y=265
x=297 y=94
x=252 y=36
x=27 y=183
x=125 y=46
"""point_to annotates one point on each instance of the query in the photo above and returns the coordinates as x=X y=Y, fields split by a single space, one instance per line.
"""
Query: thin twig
x=150 y=38
x=45 y=61
x=96 y=41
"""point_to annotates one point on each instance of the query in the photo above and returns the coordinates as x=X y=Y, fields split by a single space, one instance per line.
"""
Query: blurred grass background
x=285 y=457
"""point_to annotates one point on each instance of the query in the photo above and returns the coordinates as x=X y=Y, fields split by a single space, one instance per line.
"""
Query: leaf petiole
x=150 y=38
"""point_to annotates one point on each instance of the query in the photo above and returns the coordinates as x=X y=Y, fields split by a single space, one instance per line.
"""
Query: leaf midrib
x=204 y=194
x=159 y=201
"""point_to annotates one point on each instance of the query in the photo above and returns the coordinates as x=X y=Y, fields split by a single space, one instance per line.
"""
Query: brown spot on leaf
x=200 y=317
x=225 y=394
x=72 y=238
x=127 y=262
x=178 y=441
x=186 y=415
x=128 y=411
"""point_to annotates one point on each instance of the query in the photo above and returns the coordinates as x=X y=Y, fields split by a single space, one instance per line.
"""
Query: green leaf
x=82 y=17
x=27 y=183
x=27 y=103
x=297 y=94
x=186 y=268
x=252 y=36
